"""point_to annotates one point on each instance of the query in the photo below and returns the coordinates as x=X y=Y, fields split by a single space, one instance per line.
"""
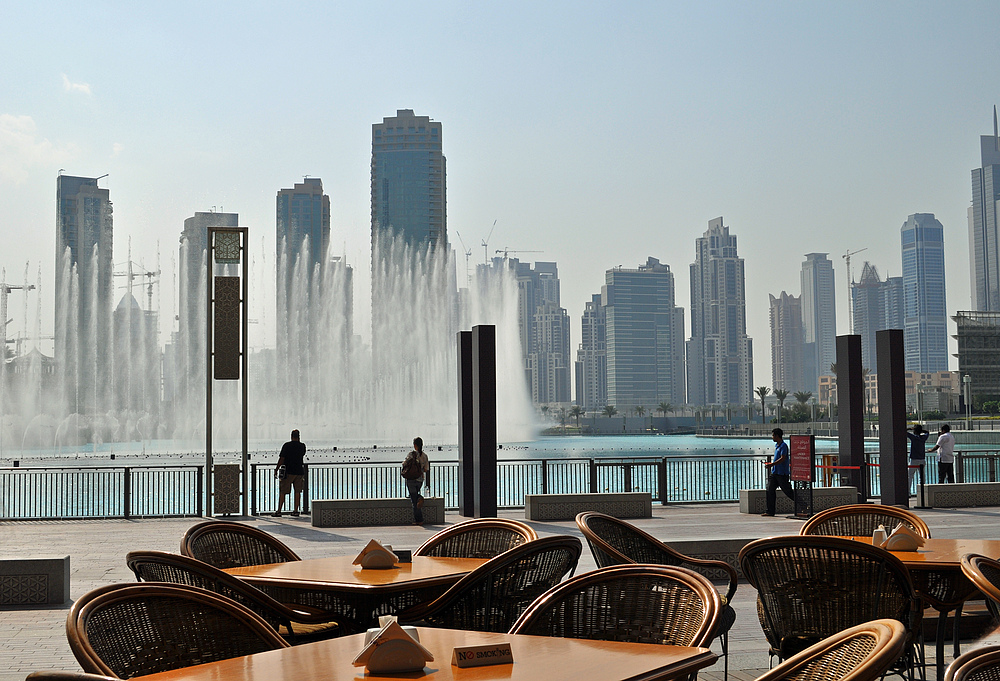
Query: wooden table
x=936 y=569
x=536 y=658
x=357 y=596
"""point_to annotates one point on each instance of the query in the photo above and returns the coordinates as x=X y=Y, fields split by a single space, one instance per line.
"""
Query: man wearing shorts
x=292 y=454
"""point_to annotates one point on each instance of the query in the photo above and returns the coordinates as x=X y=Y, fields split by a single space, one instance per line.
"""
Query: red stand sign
x=801 y=454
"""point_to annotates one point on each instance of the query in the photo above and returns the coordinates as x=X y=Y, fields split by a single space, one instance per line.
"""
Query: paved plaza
x=35 y=638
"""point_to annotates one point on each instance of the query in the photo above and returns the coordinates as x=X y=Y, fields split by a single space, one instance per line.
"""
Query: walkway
x=32 y=639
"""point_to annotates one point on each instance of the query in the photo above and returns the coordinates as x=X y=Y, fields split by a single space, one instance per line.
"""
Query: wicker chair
x=861 y=653
x=296 y=625
x=809 y=588
x=493 y=596
x=128 y=630
x=631 y=603
x=224 y=545
x=616 y=542
x=477 y=538
x=861 y=520
x=981 y=664
x=984 y=573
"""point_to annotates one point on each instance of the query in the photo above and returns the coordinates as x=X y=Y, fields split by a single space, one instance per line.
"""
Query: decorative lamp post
x=967 y=382
x=920 y=405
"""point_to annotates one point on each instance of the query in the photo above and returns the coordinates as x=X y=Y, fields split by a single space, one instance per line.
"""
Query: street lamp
x=920 y=406
x=967 y=381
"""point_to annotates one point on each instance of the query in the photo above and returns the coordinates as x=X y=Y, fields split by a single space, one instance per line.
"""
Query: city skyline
x=786 y=127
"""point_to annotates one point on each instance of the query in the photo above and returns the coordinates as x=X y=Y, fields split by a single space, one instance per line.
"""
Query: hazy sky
x=597 y=133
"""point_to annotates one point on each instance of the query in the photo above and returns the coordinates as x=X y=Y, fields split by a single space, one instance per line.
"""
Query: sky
x=594 y=133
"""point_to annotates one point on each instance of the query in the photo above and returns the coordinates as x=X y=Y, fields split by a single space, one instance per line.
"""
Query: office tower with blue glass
x=925 y=312
x=719 y=352
x=819 y=319
x=83 y=295
x=984 y=234
x=877 y=305
x=644 y=337
x=786 y=343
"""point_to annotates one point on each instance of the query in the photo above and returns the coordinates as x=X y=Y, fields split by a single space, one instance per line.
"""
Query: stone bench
x=960 y=495
x=370 y=512
x=43 y=580
x=754 y=500
x=567 y=506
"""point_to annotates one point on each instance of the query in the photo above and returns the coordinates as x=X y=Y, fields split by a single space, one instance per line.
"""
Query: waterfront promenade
x=33 y=639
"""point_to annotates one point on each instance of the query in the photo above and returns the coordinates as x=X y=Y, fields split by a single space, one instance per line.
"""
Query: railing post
x=593 y=476
x=253 y=489
x=959 y=467
x=661 y=480
x=545 y=476
x=127 y=484
x=628 y=476
x=305 y=487
x=201 y=496
x=991 y=463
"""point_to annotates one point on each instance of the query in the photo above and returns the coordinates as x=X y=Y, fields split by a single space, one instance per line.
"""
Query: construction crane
x=486 y=244
x=506 y=250
x=850 y=281
x=5 y=290
x=131 y=274
x=468 y=254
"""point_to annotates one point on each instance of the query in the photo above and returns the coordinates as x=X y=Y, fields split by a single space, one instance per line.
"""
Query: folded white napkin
x=903 y=539
x=393 y=650
x=374 y=555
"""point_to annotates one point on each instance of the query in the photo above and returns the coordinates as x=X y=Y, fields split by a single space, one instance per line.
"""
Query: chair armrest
x=717 y=565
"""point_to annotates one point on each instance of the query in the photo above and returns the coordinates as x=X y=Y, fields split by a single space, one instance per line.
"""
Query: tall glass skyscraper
x=877 y=305
x=925 y=314
x=984 y=235
x=408 y=179
x=786 y=342
x=719 y=353
x=819 y=319
x=644 y=337
x=592 y=357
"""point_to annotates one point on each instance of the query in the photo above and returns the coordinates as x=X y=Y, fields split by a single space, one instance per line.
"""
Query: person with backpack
x=416 y=469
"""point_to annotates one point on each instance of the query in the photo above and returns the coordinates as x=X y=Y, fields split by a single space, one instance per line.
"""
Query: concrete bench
x=754 y=500
x=42 y=580
x=960 y=495
x=567 y=506
x=371 y=512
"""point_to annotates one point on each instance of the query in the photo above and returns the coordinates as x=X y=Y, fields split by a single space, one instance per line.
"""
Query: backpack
x=411 y=468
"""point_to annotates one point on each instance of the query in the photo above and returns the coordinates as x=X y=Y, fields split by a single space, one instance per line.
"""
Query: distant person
x=778 y=476
x=416 y=469
x=918 y=439
x=946 y=459
x=291 y=457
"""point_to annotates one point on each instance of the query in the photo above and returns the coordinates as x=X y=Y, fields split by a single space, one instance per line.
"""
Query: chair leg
x=724 y=639
x=955 y=638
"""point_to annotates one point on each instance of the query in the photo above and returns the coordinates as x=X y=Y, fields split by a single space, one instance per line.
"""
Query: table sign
x=375 y=556
x=801 y=453
x=393 y=650
x=480 y=656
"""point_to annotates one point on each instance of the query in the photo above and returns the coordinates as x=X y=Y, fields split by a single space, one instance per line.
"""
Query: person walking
x=946 y=459
x=419 y=460
x=289 y=465
x=918 y=439
x=778 y=476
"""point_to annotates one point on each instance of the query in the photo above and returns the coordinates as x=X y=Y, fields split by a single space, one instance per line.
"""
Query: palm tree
x=802 y=396
x=545 y=411
x=664 y=407
x=610 y=410
x=640 y=410
x=562 y=417
x=781 y=394
x=576 y=411
x=763 y=391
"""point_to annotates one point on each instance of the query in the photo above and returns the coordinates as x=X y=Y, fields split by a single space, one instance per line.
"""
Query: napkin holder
x=393 y=650
x=903 y=539
x=375 y=556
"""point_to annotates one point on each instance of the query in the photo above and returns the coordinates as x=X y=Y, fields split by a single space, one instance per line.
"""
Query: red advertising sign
x=801 y=450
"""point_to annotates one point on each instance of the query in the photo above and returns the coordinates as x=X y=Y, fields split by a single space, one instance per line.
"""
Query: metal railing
x=178 y=491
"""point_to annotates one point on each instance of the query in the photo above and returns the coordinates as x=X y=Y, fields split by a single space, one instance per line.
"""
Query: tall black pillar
x=892 y=438
x=851 y=413
x=466 y=446
x=484 y=420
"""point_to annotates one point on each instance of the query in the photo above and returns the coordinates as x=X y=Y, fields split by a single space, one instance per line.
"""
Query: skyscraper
x=984 y=234
x=84 y=248
x=819 y=319
x=719 y=353
x=592 y=357
x=644 y=337
x=878 y=305
x=786 y=343
x=408 y=179
x=925 y=313
x=543 y=326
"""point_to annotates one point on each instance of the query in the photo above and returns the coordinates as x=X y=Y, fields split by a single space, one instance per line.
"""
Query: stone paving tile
x=34 y=638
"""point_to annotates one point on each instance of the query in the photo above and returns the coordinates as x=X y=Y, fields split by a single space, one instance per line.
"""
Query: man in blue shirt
x=778 y=476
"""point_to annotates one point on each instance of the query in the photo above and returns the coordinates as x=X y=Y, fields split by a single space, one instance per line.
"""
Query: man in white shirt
x=946 y=460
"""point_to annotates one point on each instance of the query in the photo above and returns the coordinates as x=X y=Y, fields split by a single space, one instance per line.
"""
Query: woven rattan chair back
x=981 y=664
x=985 y=574
x=493 y=596
x=861 y=653
x=477 y=538
x=631 y=603
x=809 y=588
x=50 y=675
x=860 y=520
x=224 y=545
x=128 y=630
